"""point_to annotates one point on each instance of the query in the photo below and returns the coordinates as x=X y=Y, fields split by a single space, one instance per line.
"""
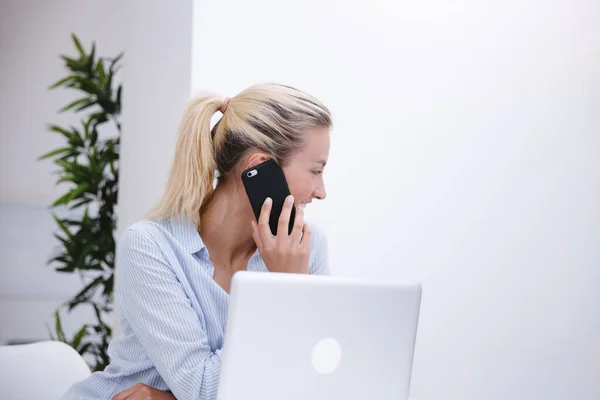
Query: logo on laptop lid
x=326 y=356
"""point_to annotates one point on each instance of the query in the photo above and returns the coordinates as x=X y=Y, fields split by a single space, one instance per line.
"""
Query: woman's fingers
x=256 y=235
x=284 y=252
x=298 y=226
x=139 y=391
x=284 y=218
x=127 y=393
x=263 y=220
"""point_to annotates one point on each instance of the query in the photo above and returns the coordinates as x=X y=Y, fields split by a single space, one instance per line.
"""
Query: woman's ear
x=257 y=158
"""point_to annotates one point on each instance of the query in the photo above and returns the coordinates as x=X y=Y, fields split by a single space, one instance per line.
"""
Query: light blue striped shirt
x=173 y=313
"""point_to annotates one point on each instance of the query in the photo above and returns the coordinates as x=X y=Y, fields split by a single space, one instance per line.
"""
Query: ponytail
x=190 y=184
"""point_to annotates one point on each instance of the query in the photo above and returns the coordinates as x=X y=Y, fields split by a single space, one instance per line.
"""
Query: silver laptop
x=299 y=337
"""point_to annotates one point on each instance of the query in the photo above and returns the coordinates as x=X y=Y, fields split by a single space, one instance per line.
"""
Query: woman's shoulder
x=150 y=227
x=158 y=227
x=164 y=240
x=168 y=232
x=149 y=231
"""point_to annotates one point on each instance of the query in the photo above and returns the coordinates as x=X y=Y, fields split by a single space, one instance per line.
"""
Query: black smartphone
x=268 y=180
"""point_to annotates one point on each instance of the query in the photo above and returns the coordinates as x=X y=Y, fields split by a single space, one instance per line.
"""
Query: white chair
x=44 y=370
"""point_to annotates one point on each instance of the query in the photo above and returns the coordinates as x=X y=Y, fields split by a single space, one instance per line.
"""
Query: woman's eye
x=317 y=172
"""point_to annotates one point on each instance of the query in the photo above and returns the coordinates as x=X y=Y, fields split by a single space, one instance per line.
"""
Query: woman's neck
x=225 y=227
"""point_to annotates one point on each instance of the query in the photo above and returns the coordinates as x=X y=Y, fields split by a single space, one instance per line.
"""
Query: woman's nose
x=320 y=193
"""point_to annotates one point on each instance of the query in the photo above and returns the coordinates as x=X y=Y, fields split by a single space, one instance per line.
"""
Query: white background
x=464 y=155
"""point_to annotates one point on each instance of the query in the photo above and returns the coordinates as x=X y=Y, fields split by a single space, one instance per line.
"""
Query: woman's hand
x=139 y=391
x=284 y=252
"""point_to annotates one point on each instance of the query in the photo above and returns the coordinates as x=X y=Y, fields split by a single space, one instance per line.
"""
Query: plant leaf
x=64 y=241
x=74 y=168
x=67 y=178
x=62 y=200
x=54 y=152
x=87 y=85
x=86 y=127
x=72 y=222
x=62 y=82
x=84 y=348
x=108 y=286
x=78 y=190
x=62 y=226
x=80 y=203
x=93 y=137
x=63 y=131
x=91 y=60
x=66 y=269
x=62 y=258
x=94 y=267
x=82 y=296
x=119 y=91
x=100 y=70
x=78 y=66
x=72 y=153
x=114 y=62
x=86 y=105
x=78 y=336
x=58 y=327
x=99 y=118
x=74 y=104
x=78 y=44
x=49 y=332
x=71 y=62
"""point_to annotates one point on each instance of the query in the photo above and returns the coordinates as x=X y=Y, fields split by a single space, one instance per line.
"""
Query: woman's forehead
x=316 y=146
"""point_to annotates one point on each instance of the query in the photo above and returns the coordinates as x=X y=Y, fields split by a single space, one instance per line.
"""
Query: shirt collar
x=187 y=234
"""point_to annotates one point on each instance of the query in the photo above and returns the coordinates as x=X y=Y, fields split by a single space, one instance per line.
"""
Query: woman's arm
x=159 y=312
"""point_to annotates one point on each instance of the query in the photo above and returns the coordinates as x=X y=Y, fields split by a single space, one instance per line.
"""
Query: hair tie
x=224 y=105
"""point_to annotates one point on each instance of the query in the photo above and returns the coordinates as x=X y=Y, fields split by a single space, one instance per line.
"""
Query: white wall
x=158 y=78
x=464 y=155
x=158 y=43
x=32 y=36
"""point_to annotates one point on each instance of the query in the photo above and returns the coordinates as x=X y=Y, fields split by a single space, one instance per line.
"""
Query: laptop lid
x=299 y=337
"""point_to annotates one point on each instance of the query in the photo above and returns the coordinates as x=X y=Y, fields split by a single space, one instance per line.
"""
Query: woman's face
x=304 y=172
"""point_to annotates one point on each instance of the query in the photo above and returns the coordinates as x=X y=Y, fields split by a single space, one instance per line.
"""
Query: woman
x=175 y=268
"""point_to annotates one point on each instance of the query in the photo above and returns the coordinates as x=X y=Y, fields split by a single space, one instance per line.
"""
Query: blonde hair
x=269 y=117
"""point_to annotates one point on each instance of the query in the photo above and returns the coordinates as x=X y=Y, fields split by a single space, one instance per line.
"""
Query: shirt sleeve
x=160 y=314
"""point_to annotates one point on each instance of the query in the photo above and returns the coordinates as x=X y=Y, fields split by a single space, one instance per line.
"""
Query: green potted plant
x=89 y=166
